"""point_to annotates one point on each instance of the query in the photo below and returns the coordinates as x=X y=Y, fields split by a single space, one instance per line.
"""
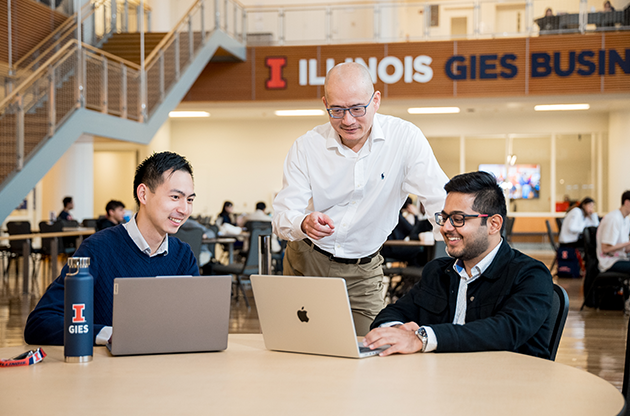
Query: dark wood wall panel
x=565 y=45
x=617 y=83
x=577 y=70
x=478 y=50
x=438 y=86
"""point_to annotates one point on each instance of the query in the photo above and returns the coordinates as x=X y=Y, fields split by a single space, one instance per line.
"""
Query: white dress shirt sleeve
x=431 y=339
x=424 y=177
x=291 y=203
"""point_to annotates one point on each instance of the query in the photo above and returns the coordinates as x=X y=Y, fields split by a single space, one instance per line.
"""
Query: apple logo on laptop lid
x=302 y=315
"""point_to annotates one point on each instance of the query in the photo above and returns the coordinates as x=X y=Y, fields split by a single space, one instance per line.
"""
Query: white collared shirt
x=361 y=192
x=574 y=224
x=136 y=236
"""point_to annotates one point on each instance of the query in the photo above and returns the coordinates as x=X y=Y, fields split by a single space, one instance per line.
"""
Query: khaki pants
x=364 y=281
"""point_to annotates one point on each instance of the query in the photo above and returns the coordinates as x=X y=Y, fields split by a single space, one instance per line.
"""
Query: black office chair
x=625 y=389
x=16 y=251
x=554 y=246
x=409 y=276
x=597 y=284
x=250 y=264
x=559 y=222
x=559 y=313
x=507 y=230
x=69 y=243
x=193 y=237
x=45 y=227
x=89 y=222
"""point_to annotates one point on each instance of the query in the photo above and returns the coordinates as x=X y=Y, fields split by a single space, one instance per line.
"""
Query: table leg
x=26 y=255
x=54 y=256
x=231 y=253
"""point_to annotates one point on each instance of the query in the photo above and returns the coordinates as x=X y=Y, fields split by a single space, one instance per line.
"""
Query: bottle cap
x=78 y=262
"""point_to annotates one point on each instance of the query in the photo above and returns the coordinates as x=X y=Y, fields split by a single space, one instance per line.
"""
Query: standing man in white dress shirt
x=344 y=183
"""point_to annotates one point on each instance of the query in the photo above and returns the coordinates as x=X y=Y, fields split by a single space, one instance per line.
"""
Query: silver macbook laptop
x=170 y=314
x=308 y=315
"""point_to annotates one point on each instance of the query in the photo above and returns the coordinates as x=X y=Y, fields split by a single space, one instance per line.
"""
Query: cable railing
x=98 y=21
x=77 y=75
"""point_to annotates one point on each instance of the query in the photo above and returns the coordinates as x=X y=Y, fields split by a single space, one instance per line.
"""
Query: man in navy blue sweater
x=164 y=192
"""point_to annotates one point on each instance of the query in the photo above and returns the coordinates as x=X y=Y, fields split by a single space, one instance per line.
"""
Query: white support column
x=618 y=151
x=162 y=18
x=552 y=176
x=72 y=175
x=462 y=154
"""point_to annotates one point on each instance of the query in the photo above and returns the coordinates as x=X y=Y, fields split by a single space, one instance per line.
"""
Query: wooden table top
x=247 y=379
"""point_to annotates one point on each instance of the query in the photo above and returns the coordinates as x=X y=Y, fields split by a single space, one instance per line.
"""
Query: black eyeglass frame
x=440 y=219
x=350 y=109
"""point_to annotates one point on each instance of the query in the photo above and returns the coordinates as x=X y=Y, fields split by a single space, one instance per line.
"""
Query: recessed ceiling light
x=182 y=114
x=433 y=110
x=293 y=113
x=561 y=107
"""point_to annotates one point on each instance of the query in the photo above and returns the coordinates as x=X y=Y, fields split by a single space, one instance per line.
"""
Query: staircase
x=82 y=89
x=127 y=45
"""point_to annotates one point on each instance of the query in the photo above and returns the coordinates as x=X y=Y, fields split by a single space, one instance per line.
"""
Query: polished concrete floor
x=593 y=340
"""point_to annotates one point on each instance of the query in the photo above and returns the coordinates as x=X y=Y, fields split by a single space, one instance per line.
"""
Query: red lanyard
x=27 y=358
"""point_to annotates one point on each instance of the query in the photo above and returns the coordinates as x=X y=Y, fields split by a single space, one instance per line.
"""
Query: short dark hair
x=67 y=200
x=489 y=197
x=261 y=206
x=625 y=197
x=112 y=205
x=150 y=171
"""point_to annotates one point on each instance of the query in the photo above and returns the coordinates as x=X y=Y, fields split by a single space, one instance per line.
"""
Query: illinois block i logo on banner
x=276 y=80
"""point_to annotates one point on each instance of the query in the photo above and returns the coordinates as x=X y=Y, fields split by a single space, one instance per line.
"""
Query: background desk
x=246 y=379
x=78 y=232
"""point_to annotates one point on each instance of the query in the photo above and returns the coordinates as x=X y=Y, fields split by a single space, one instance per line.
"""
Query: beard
x=473 y=247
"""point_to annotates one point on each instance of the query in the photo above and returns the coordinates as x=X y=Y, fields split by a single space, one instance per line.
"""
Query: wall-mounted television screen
x=522 y=181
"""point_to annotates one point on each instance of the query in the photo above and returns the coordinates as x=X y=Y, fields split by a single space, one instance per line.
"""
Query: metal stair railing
x=99 y=16
x=78 y=75
x=45 y=100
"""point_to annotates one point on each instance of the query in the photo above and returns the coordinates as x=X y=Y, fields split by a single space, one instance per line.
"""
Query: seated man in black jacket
x=489 y=297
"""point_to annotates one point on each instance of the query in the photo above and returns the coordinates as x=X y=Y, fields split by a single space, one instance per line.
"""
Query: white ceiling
x=398 y=107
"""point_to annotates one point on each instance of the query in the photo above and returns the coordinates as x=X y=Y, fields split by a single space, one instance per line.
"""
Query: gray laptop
x=154 y=315
x=307 y=314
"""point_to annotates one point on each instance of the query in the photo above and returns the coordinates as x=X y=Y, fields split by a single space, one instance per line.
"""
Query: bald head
x=349 y=73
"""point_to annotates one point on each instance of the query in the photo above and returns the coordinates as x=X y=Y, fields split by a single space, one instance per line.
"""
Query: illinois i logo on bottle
x=78 y=317
x=78 y=309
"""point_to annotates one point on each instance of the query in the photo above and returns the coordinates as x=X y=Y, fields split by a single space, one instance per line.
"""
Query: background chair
x=559 y=222
x=507 y=230
x=250 y=264
x=193 y=237
x=559 y=313
x=625 y=389
x=597 y=284
x=89 y=222
x=69 y=243
x=16 y=250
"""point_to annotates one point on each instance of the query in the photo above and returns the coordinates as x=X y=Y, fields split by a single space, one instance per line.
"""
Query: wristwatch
x=421 y=333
